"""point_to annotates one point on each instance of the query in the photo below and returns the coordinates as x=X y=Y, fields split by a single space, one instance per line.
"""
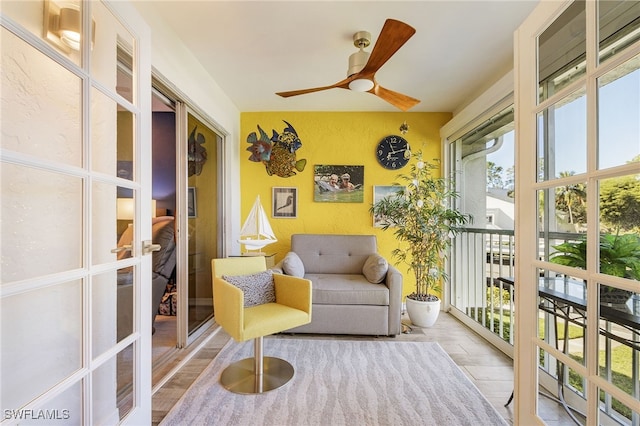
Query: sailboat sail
x=256 y=231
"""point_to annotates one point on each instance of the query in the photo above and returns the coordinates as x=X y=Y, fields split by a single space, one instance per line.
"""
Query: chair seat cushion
x=257 y=288
x=270 y=318
x=347 y=289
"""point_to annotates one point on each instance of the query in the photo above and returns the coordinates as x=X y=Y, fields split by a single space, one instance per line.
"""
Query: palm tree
x=569 y=195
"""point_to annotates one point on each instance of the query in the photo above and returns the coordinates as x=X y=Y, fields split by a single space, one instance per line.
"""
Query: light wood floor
x=489 y=369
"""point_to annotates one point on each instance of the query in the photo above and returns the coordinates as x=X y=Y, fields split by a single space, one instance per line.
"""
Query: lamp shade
x=125 y=208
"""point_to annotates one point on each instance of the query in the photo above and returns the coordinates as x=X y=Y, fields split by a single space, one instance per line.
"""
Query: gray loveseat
x=345 y=300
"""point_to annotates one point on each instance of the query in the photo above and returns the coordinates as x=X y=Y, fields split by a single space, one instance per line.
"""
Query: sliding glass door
x=202 y=208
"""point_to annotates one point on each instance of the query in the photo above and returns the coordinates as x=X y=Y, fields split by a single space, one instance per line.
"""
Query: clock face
x=393 y=152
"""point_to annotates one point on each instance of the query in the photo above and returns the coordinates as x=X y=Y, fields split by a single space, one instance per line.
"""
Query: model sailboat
x=256 y=231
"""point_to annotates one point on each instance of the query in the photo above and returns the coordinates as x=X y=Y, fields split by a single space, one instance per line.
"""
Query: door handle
x=121 y=249
x=149 y=247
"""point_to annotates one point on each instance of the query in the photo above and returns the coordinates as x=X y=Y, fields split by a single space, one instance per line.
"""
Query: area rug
x=341 y=382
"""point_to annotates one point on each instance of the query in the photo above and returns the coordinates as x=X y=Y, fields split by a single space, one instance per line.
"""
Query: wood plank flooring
x=488 y=368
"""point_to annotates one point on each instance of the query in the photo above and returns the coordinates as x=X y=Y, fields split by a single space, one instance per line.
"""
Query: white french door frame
x=140 y=108
x=141 y=412
x=528 y=106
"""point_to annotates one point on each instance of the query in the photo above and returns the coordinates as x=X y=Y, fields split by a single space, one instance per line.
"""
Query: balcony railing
x=481 y=256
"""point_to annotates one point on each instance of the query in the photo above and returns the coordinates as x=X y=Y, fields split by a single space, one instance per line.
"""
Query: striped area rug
x=341 y=382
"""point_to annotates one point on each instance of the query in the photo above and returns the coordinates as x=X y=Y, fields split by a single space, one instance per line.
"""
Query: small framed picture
x=284 y=202
x=380 y=192
x=191 y=202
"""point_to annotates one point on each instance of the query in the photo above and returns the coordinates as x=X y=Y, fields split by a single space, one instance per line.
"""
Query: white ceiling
x=253 y=49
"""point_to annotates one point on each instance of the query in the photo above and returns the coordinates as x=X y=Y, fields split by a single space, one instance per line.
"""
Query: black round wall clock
x=393 y=152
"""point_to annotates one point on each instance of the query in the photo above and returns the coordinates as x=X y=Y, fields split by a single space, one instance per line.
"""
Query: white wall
x=173 y=60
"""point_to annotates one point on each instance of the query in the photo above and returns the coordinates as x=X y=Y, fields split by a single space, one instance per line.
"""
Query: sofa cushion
x=375 y=268
x=292 y=265
x=346 y=289
x=258 y=288
x=336 y=254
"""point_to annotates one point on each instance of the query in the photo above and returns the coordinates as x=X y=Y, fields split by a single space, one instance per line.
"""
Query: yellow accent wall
x=333 y=138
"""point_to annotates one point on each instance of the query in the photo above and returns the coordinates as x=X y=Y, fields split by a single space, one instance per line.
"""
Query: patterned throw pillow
x=258 y=288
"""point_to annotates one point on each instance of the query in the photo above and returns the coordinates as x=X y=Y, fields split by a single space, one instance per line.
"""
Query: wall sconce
x=62 y=26
x=125 y=208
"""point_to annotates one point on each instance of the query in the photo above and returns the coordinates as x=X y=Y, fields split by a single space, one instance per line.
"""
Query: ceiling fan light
x=361 y=85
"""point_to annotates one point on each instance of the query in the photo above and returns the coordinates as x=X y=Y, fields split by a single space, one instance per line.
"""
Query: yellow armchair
x=291 y=308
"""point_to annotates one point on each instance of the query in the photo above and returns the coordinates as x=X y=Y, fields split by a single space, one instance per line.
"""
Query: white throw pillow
x=292 y=265
x=258 y=288
x=375 y=268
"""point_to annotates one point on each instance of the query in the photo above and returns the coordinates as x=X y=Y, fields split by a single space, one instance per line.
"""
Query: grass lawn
x=621 y=367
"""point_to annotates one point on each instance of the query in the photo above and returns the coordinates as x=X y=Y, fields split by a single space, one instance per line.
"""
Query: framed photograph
x=380 y=192
x=284 y=202
x=338 y=184
x=191 y=202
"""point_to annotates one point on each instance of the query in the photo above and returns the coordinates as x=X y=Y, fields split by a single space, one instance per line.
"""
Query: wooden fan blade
x=393 y=35
x=396 y=99
x=344 y=84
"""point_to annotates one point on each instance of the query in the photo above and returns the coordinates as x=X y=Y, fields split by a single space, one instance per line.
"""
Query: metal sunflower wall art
x=278 y=152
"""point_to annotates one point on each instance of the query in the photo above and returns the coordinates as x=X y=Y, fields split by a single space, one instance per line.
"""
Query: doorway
x=187 y=188
x=163 y=169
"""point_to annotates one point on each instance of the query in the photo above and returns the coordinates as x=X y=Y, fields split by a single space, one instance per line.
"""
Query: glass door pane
x=619 y=128
x=42 y=245
x=561 y=51
x=202 y=212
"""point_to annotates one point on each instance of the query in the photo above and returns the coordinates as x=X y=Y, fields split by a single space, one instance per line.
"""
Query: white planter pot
x=423 y=314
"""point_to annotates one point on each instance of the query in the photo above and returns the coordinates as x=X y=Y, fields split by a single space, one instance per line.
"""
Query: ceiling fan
x=363 y=66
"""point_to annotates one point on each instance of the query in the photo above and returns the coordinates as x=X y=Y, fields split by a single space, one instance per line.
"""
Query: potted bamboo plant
x=424 y=225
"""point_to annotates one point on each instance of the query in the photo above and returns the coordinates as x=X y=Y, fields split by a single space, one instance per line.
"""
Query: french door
x=76 y=265
x=577 y=99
